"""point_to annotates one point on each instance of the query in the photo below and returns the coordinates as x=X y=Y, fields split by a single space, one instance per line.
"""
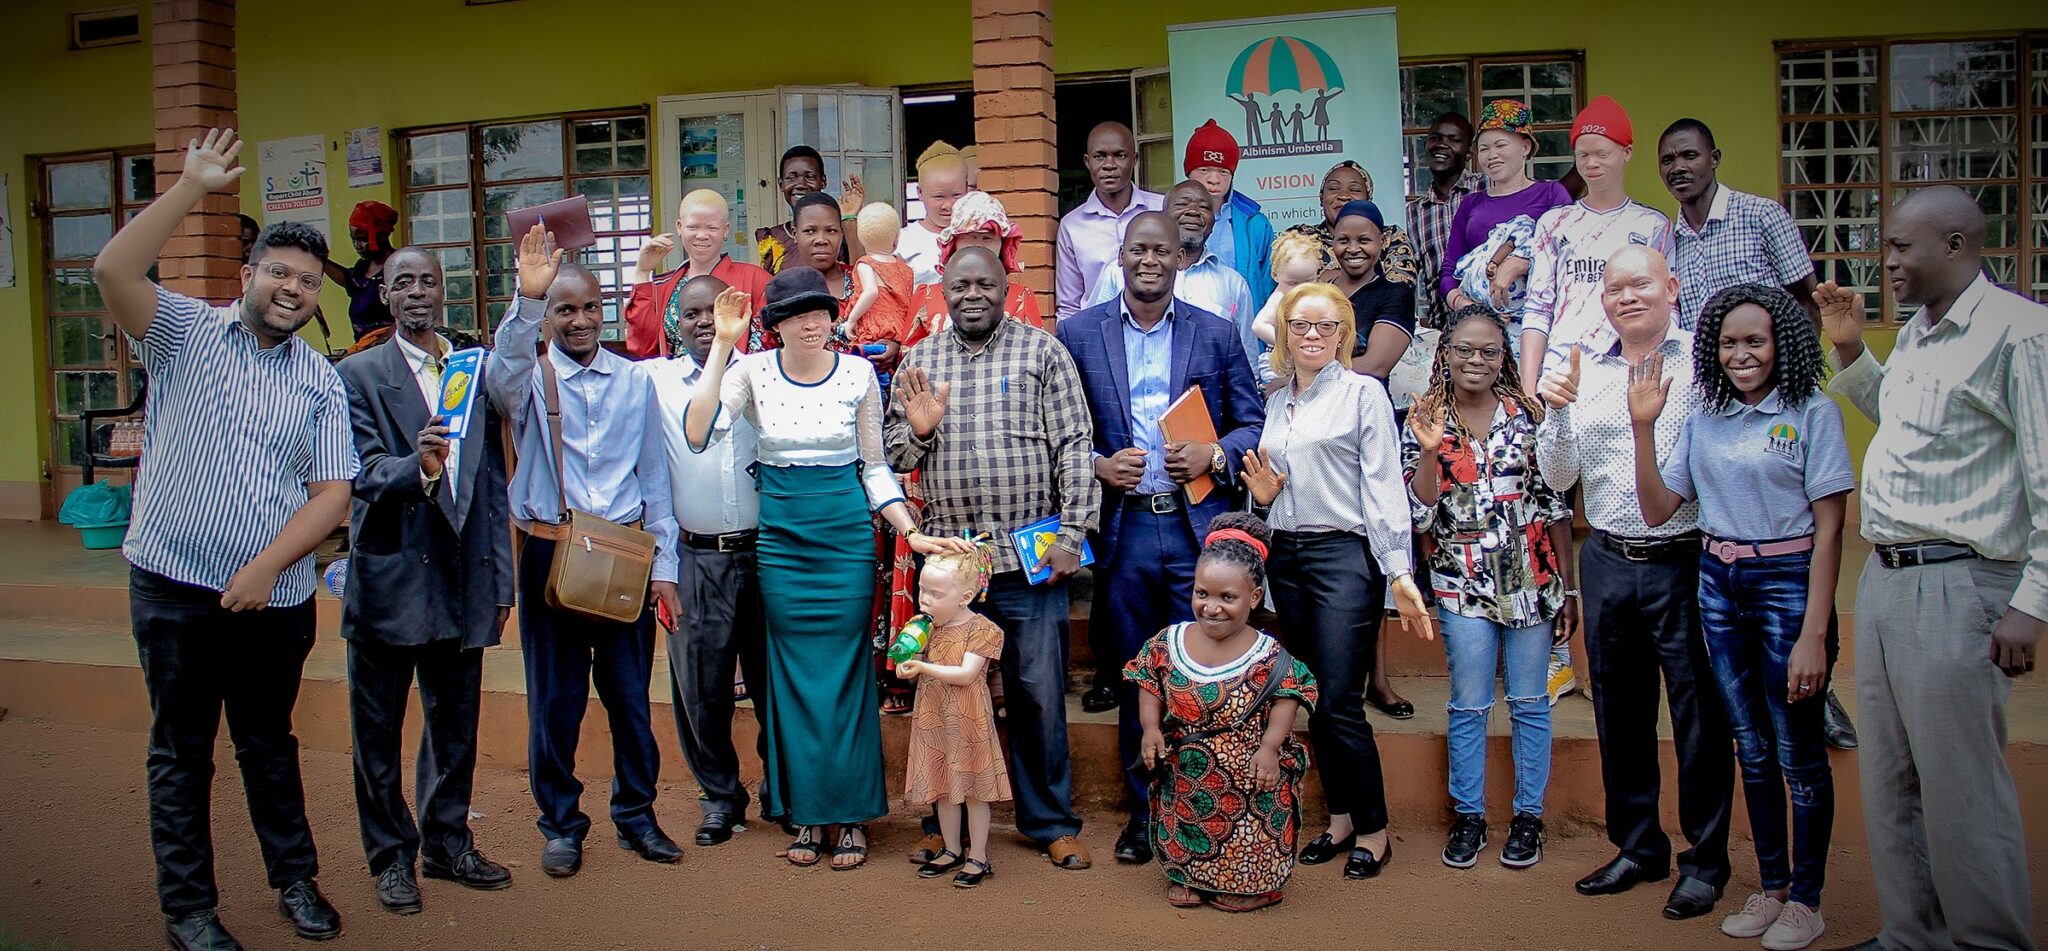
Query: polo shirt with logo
x=1756 y=470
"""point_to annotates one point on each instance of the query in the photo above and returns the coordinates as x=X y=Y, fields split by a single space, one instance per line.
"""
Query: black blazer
x=422 y=568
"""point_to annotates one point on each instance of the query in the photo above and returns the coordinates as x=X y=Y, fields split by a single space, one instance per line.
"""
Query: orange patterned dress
x=954 y=755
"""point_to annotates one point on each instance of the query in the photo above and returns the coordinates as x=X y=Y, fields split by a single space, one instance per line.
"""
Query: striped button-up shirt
x=1961 y=451
x=1015 y=445
x=1429 y=222
x=1746 y=240
x=1336 y=441
x=1593 y=440
x=232 y=436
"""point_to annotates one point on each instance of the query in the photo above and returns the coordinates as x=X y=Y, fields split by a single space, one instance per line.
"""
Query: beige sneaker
x=1758 y=913
x=1797 y=926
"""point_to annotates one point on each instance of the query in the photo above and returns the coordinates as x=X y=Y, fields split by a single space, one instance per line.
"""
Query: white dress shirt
x=426 y=372
x=919 y=248
x=714 y=494
x=1593 y=440
x=1338 y=445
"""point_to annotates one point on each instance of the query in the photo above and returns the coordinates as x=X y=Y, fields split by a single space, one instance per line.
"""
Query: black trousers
x=197 y=660
x=565 y=652
x=1330 y=598
x=721 y=628
x=1642 y=619
x=380 y=678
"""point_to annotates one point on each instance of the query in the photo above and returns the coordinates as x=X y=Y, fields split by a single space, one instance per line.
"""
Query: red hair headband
x=1240 y=535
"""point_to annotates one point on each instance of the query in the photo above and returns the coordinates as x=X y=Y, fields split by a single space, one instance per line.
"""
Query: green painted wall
x=329 y=68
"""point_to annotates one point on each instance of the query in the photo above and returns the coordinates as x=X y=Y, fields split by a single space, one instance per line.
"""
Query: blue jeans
x=1751 y=613
x=1472 y=645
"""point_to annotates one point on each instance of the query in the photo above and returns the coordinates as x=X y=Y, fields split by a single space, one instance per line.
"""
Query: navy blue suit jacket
x=1207 y=353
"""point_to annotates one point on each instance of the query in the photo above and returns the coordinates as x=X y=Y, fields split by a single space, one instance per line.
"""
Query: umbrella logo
x=1284 y=85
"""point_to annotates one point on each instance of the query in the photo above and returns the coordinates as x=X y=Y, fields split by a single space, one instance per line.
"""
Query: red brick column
x=194 y=47
x=1013 y=125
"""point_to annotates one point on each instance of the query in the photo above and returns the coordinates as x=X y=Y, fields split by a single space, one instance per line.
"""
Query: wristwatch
x=1218 y=462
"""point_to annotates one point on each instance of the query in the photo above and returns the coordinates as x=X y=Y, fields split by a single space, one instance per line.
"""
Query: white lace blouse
x=836 y=421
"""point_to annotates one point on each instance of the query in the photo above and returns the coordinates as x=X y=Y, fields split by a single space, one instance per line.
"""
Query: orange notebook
x=1187 y=420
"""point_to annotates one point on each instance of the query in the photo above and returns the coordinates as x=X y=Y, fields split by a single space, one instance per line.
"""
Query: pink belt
x=1732 y=552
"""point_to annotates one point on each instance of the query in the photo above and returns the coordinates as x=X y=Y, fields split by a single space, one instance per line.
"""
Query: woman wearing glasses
x=1328 y=464
x=1501 y=567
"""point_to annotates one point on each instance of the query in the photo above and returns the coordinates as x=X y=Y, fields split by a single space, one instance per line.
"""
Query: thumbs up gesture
x=1560 y=387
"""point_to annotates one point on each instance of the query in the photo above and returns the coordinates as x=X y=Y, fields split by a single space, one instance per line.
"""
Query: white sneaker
x=1797 y=926
x=1562 y=680
x=1759 y=912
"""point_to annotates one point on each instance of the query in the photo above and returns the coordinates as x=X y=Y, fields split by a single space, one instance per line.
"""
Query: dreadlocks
x=1799 y=369
x=1507 y=385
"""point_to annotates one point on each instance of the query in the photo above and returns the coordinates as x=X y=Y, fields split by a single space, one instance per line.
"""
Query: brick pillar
x=1013 y=125
x=194 y=47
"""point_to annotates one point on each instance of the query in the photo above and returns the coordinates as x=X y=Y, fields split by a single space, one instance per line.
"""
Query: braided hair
x=1507 y=385
x=1797 y=373
x=1236 y=551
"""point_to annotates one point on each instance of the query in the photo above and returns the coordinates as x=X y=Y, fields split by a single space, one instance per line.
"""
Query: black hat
x=796 y=290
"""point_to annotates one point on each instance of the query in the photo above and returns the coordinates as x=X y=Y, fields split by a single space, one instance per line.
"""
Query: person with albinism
x=247 y=471
x=703 y=228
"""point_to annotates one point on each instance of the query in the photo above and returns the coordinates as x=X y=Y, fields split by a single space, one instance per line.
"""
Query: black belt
x=1914 y=554
x=1162 y=504
x=1652 y=549
x=728 y=542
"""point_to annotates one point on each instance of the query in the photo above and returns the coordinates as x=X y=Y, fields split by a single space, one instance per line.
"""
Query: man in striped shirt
x=246 y=462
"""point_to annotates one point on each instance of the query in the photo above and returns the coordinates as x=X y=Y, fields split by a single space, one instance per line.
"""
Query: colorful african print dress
x=1213 y=829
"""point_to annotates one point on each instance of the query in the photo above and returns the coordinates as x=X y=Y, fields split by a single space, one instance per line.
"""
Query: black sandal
x=967 y=879
x=806 y=841
x=846 y=847
x=937 y=865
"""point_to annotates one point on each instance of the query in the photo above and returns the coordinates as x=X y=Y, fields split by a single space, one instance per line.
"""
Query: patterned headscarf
x=1507 y=115
x=980 y=211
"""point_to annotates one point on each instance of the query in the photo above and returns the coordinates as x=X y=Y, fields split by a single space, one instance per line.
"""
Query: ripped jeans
x=1751 y=612
x=1476 y=648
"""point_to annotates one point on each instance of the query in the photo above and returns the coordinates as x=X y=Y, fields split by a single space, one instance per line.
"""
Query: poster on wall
x=6 y=235
x=295 y=181
x=366 y=157
x=1299 y=94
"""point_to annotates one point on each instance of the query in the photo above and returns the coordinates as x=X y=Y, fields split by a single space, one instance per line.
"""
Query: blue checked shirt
x=232 y=436
x=1746 y=240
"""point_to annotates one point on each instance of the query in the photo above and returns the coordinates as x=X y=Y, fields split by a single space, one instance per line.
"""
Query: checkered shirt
x=1429 y=222
x=1747 y=240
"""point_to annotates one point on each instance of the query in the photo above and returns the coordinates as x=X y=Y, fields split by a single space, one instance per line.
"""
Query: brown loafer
x=928 y=848
x=1067 y=852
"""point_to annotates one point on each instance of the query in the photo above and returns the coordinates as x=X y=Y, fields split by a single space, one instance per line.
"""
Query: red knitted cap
x=1604 y=116
x=1210 y=147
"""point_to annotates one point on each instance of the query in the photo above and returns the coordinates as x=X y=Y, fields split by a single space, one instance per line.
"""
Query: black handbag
x=1282 y=663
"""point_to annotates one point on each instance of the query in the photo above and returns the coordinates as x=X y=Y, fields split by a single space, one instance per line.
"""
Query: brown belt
x=552 y=531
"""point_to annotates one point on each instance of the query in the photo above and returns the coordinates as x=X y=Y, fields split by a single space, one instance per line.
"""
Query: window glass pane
x=1155 y=106
x=625 y=203
x=1836 y=220
x=1955 y=147
x=437 y=158
x=499 y=199
x=501 y=275
x=1553 y=155
x=1825 y=152
x=462 y=317
x=79 y=237
x=811 y=119
x=1545 y=86
x=1432 y=89
x=610 y=144
x=1964 y=75
x=878 y=176
x=68 y=442
x=80 y=342
x=2039 y=290
x=72 y=289
x=1828 y=82
x=439 y=217
x=521 y=151
x=78 y=391
x=458 y=274
x=866 y=124
x=80 y=185
x=138 y=178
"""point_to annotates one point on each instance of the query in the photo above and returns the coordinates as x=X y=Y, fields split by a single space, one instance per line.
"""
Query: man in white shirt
x=1954 y=599
x=721 y=624
x=941 y=180
x=1092 y=234
x=1641 y=607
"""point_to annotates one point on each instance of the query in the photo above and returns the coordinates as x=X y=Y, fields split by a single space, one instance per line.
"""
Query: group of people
x=833 y=446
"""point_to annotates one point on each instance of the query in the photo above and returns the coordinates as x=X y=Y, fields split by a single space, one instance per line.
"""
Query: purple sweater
x=1480 y=213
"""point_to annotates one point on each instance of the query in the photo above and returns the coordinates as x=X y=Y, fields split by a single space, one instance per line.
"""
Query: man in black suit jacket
x=430 y=586
x=1137 y=354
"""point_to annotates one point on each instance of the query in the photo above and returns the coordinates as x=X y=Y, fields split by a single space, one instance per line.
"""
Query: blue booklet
x=458 y=390
x=1034 y=540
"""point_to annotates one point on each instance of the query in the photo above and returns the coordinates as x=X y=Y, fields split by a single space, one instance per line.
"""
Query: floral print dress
x=1213 y=829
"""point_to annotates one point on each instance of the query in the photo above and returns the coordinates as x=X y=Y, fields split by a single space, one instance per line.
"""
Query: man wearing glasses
x=247 y=468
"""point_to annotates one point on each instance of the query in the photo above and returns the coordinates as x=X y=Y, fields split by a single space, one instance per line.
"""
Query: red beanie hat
x=1604 y=116
x=1210 y=147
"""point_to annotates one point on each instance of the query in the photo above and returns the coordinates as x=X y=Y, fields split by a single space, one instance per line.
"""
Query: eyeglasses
x=802 y=178
x=308 y=280
x=1323 y=328
x=1489 y=354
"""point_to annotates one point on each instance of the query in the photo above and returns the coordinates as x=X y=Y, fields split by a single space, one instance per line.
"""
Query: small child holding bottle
x=954 y=758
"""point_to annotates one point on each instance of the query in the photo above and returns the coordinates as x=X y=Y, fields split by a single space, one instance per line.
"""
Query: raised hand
x=923 y=404
x=940 y=544
x=539 y=261
x=1841 y=315
x=210 y=164
x=852 y=196
x=1264 y=481
x=1427 y=423
x=656 y=250
x=1648 y=389
x=729 y=315
x=1560 y=387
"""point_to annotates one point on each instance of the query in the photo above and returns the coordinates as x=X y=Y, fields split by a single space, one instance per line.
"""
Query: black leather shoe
x=1871 y=945
x=716 y=829
x=1134 y=844
x=653 y=845
x=561 y=858
x=1835 y=725
x=1099 y=700
x=1363 y=864
x=973 y=873
x=470 y=870
x=199 y=931
x=311 y=916
x=1322 y=848
x=398 y=891
x=1690 y=898
x=1619 y=876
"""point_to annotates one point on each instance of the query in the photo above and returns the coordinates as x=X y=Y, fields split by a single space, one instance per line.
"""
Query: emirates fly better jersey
x=1568 y=260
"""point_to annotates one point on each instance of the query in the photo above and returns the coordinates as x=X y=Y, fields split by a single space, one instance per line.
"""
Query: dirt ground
x=75 y=872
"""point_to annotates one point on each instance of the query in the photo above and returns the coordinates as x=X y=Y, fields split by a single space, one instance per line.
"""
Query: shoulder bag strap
x=553 y=391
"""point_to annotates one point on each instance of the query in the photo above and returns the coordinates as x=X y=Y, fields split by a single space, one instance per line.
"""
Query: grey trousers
x=1939 y=803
